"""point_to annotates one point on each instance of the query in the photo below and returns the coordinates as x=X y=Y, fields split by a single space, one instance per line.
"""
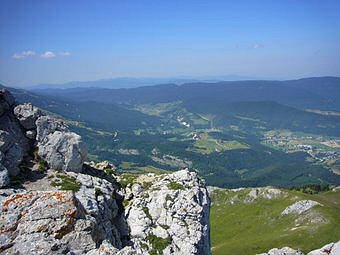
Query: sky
x=45 y=41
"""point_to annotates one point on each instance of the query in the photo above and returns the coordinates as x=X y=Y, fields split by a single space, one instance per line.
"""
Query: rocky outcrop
x=22 y=127
x=13 y=142
x=27 y=114
x=329 y=249
x=282 y=251
x=248 y=195
x=169 y=214
x=63 y=150
x=299 y=207
x=37 y=222
x=57 y=222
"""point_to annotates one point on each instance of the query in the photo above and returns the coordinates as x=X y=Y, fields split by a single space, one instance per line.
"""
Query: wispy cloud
x=257 y=46
x=48 y=54
x=23 y=54
x=64 y=53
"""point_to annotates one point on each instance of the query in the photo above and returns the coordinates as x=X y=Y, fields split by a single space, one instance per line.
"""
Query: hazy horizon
x=58 y=42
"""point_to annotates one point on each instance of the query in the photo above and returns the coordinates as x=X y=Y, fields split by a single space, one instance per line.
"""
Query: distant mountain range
x=126 y=82
x=319 y=93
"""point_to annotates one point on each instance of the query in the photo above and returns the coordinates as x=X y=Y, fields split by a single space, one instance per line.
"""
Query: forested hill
x=316 y=93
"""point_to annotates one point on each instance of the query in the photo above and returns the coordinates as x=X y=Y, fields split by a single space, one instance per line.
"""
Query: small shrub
x=66 y=183
x=97 y=192
x=146 y=185
x=147 y=213
x=175 y=186
x=313 y=189
x=126 y=202
x=144 y=246
x=169 y=198
x=42 y=165
x=158 y=244
x=127 y=179
x=109 y=171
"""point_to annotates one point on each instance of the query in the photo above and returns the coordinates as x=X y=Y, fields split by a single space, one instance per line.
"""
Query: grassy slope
x=257 y=227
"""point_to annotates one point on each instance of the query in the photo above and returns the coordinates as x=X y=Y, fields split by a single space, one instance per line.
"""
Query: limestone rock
x=47 y=125
x=300 y=207
x=57 y=222
x=61 y=149
x=97 y=197
x=27 y=114
x=64 y=150
x=12 y=152
x=173 y=210
x=282 y=251
x=13 y=143
x=36 y=222
x=328 y=249
x=264 y=192
x=4 y=176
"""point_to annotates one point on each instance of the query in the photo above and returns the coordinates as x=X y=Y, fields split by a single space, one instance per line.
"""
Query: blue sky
x=59 y=41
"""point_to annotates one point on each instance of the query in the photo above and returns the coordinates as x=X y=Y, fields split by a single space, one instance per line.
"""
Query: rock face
x=22 y=127
x=300 y=207
x=169 y=214
x=13 y=143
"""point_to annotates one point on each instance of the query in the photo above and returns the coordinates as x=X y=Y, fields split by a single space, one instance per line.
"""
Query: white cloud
x=257 y=45
x=64 y=53
x=23 y=54
x=48 y=54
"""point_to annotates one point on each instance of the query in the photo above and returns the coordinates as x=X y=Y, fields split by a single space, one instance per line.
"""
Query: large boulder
x=328 y=249
x=57 y=222
x=61 y=149
x=64 y=150
x=27 y=114
x=48 y=125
